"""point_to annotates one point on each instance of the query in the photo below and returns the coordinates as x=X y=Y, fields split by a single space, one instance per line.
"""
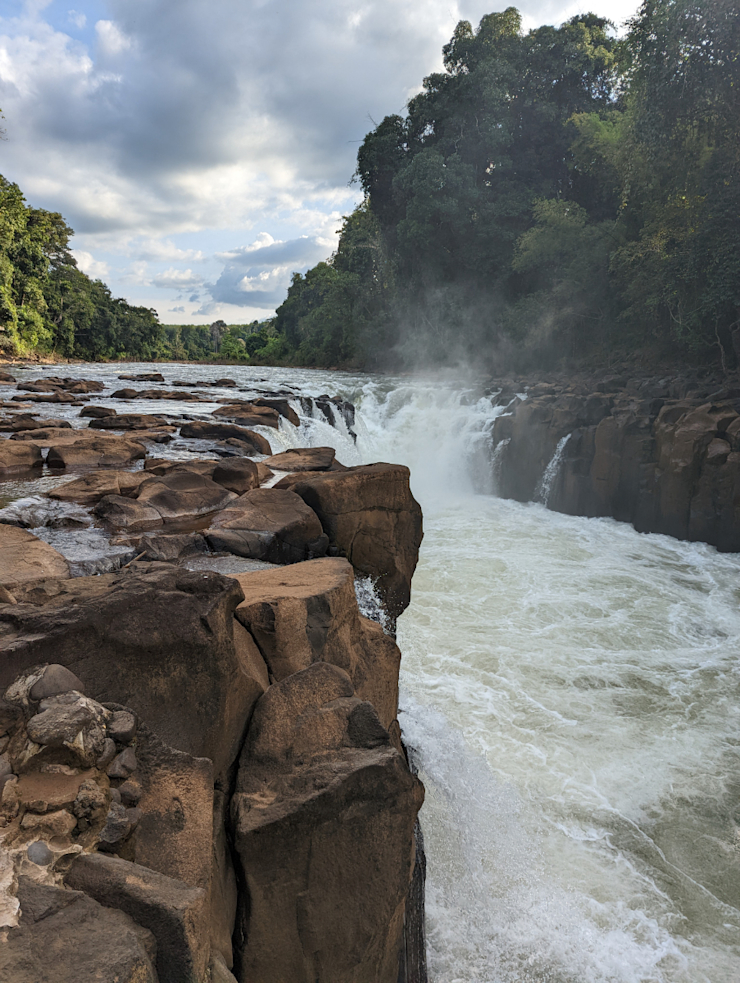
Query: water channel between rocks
x=570 y=693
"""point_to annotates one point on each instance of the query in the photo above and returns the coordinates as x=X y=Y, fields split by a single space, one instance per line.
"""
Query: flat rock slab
x=302 y=459
x=90 y=488
x=95 y=452
x=30 y=423
x=66 y=937
x=24 y=559
x=250 y=414
x=224 y=431
x=18 y=456
x=271 y=525
x=128 y=421
x=183 y=495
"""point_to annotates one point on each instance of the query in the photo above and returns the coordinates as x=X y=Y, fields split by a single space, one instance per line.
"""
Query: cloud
x=94 y=268
x=259 y=275
x=176 y=310
x=77 y=19
x=177 y=279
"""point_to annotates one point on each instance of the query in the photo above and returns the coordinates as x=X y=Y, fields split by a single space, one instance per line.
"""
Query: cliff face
x=666 y=465
x=202 y=776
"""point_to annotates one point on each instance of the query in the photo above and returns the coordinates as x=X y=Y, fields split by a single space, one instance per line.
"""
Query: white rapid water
x=571 y=695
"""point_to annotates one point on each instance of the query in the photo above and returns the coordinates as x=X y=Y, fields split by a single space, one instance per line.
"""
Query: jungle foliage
x=552 y=191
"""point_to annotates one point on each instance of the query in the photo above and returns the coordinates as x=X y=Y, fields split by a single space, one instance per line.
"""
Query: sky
x=203 y=150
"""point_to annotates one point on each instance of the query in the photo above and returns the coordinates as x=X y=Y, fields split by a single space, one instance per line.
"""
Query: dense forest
x=49 y=306
x=557 y=192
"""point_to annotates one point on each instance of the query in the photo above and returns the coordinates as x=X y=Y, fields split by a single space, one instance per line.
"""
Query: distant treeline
x=559 y=191
x=48 y=305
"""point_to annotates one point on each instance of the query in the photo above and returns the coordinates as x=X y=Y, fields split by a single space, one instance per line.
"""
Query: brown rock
x=267 y=524
x=182 y=496
x=17 y=456
x=95 y=452
x=26 y=422
x=66 y=937
x=282 y=406
x=43 y=791
x=302 y=459
x=308 y=613
x=369 y=513
x=225 y=431
x=171 y=910
x=24 y=559
x=239 y=475
x=129 y=421
x=177 y=650
x=118 y=512
x=97 y=412
x=90 y=488
x=54 y=680
x=320 y=808
x=250 y=414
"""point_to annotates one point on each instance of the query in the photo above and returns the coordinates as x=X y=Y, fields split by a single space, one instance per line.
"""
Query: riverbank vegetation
x=552 y=192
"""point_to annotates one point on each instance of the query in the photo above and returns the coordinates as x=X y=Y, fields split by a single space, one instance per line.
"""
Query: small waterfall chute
x=547 y=481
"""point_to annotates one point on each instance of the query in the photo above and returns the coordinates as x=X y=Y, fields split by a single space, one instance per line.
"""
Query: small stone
x=133 y=816
x=123 y=764
x=90 y=804
x=122 y=727
x=107 y=755
x=39 y=853
x=5 y=768
x=56 y=679
x=116 y=829
x=60 y=823
x=6 y=597
x=115 y=796
x=130 y=792
x=59 y=725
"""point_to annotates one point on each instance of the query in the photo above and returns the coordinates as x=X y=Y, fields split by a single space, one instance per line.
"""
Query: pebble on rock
x=107 y=755
x=39 y=853
x=122 y=727
x=116 y=829
x=130 y=792
x=123 y=764
x=55 y=680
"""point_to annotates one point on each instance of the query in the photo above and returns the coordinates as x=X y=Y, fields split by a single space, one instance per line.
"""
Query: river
x=571 y=696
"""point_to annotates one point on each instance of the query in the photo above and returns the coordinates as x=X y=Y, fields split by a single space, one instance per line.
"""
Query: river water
x=570 y=690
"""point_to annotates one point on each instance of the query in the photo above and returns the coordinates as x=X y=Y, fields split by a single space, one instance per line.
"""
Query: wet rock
x=168 y=547
x=267 y=524
x=6 y=377
x=122 y=727
x=369 y=513
x=118 y=512
x=24 y=559
x=95 y=452
x=29 y=423
x=282 y=406
x=129 y=421
x=143 y=377
x=66 y=937
x=97 y=412
x=172 y=911
x=226 y=431
x=302 y=459
x=18 y=456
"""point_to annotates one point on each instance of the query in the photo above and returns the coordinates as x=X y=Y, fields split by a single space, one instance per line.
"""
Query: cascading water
x=570 y=695
x=545 y=486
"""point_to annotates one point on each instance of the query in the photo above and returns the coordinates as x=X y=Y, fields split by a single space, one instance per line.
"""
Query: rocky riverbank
x=202 y=773
x=662 y=454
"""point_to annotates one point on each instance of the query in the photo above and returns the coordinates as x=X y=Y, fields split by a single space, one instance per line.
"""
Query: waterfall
x=547 y=481
x=497 y=461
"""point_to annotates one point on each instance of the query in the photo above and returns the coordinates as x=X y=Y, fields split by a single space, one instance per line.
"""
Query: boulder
x=128 y=421
x=52 y=397
x=149 y=637
x=6 y=377
x=369 y=513
x=238 y=475
x=267 y=524
x=323 y=804
x=97 y=412
x=143 y=377
x=282 y=406
x=24 y=422
x=118 y=512
x=172 y=911
x=224 y=431
x=17 y=456
x=24 y=559
x=46 y=436
x=183 y=496
x=95 y=452
x=302 y=459
x=66 y=937
x=250 y=414
x=90 y=488
x=308 y=613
